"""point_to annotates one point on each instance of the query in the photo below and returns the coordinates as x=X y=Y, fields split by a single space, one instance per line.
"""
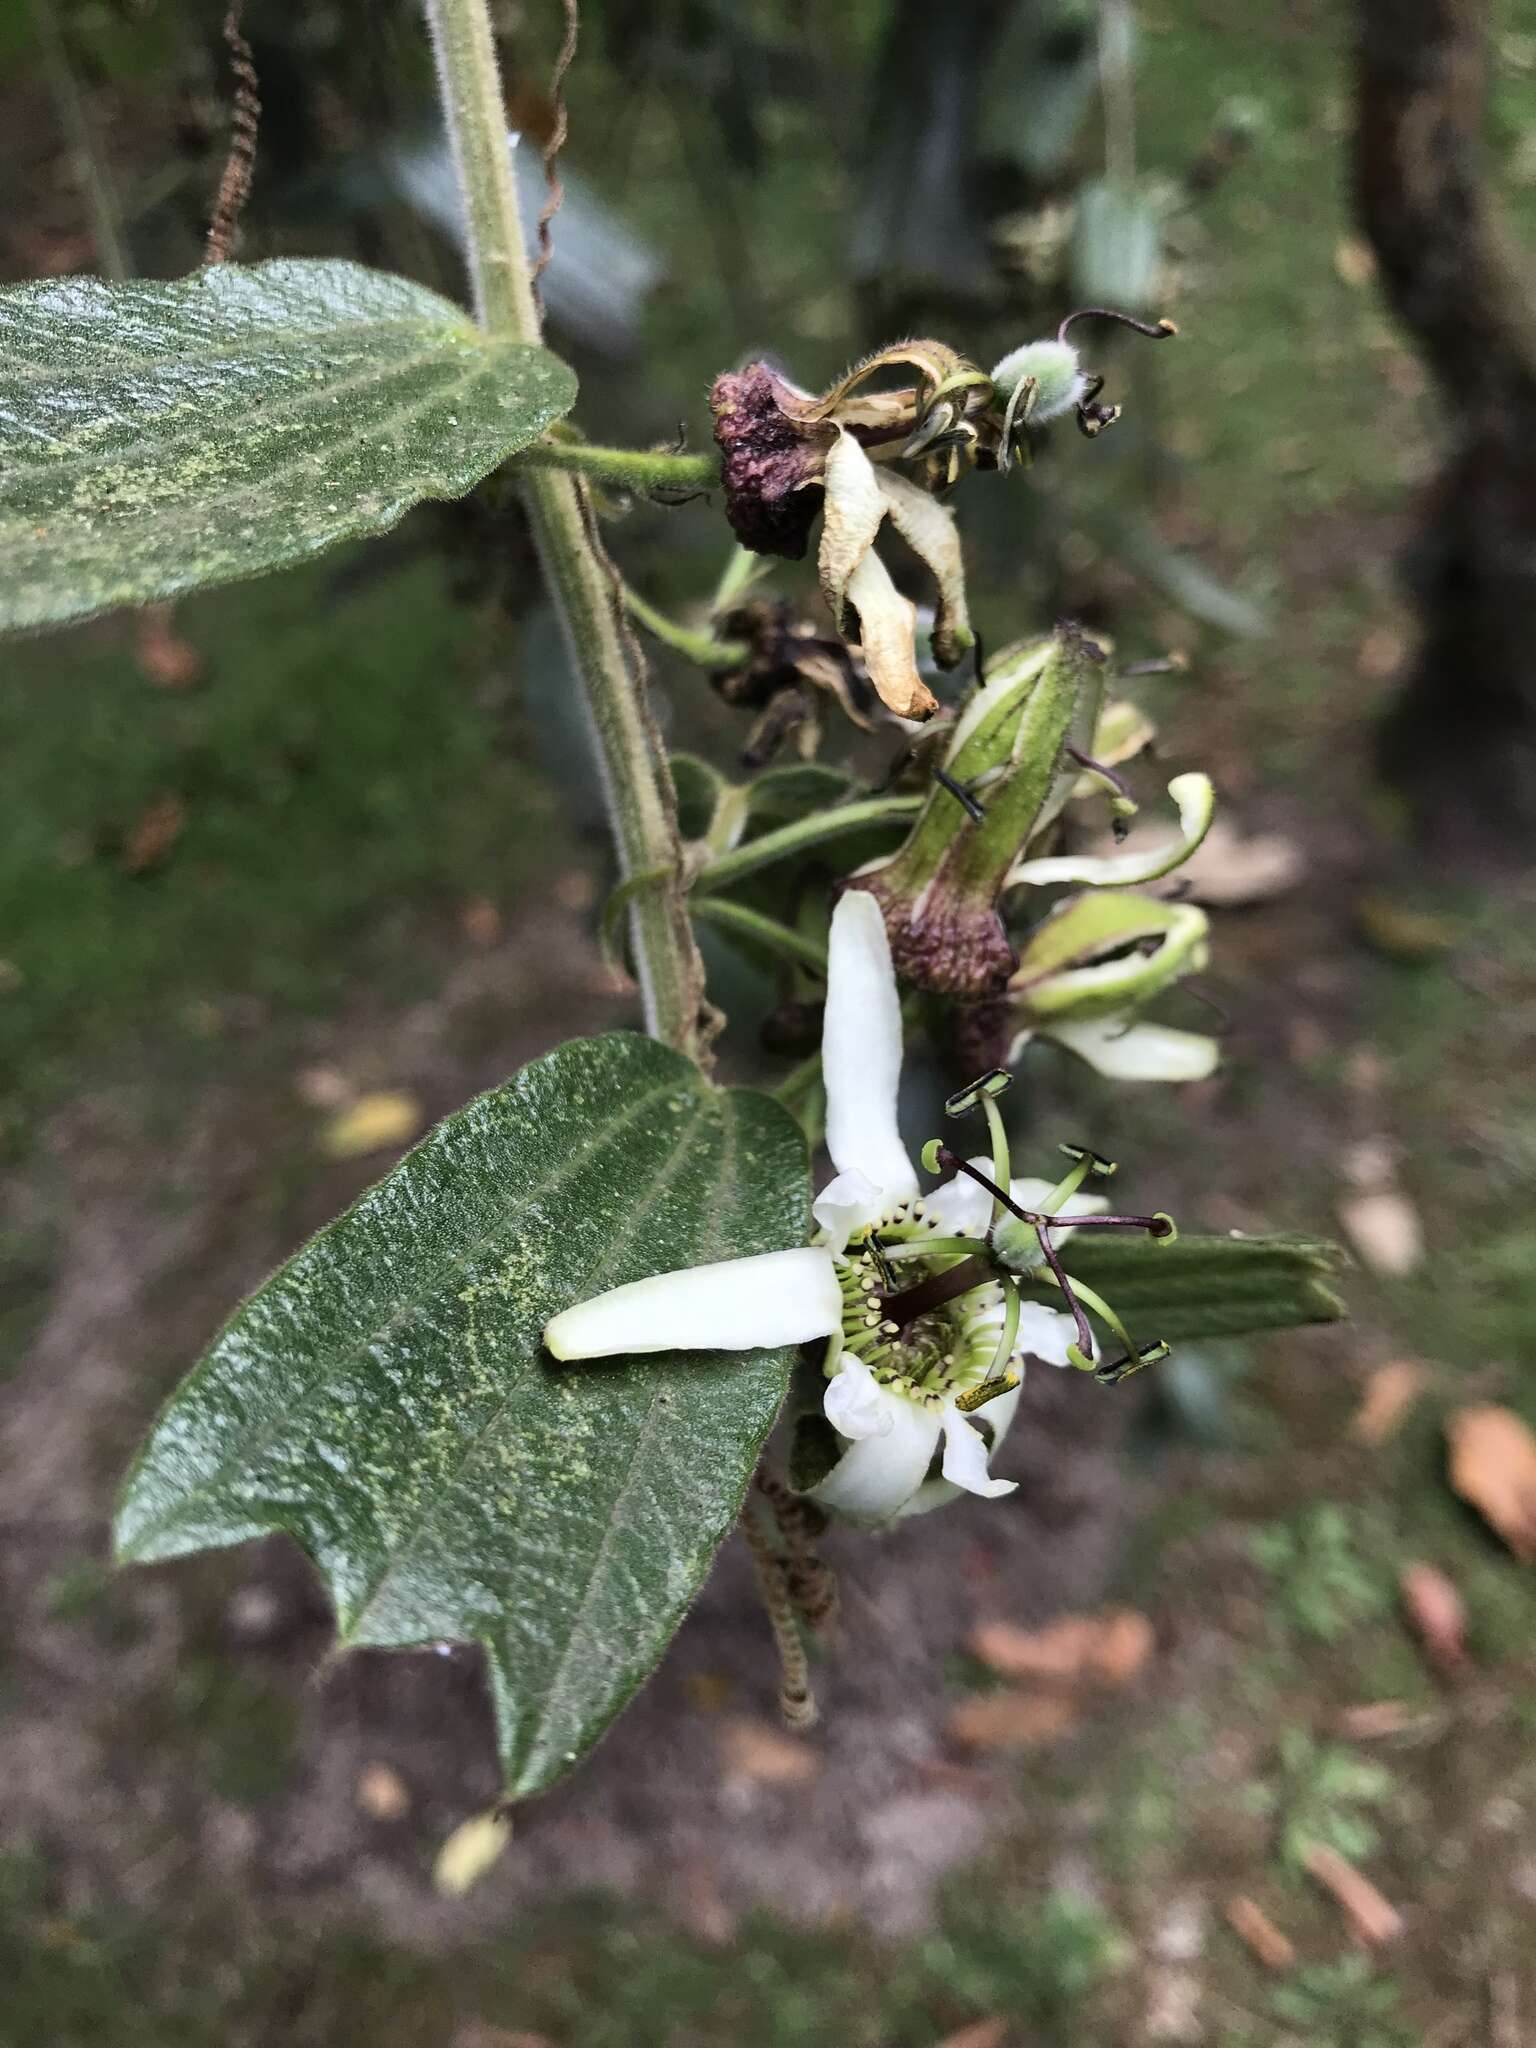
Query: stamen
x=1121 y=1369
x=983 y=1095
x=1095 y=1161
x=1008 y=1335
x=989 y=1390
x=1021 y=403
x=994 y=1082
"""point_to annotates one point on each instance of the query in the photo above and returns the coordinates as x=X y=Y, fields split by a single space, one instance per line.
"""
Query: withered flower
x=791 y=670
x=787 y=454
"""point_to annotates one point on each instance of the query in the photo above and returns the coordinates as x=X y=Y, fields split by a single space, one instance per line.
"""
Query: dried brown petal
x=929 y=530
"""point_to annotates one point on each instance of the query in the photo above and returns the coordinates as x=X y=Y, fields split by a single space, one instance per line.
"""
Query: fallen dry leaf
x=322 y=1087
x=481 y=2034
x=1402 y=932
x=1111 y=1647
x=153 y=833
x=1375 y=1719
x=1436 y=1613
x=1389 y=1393
x=1251 y=1924
x=11 y=978
x=762 y=1753
x=480 y=921
x=470 y=1851
x=1373 y=1919
x=1380 y=654
x=166 y=657
x=1354 y=261
x=708 y=1690
x=1010 y=1720
x=1493 y=1465
x=1384 y=1228
x=388 y=1117
x=382 y=1793
x=979 y=2034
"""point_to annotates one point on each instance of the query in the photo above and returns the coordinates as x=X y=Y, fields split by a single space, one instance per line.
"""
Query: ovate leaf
x=159 y=437
x=1202 y=1287
x=384 y=1397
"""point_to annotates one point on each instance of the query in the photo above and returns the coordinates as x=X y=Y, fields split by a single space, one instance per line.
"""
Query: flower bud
x=1007 y=759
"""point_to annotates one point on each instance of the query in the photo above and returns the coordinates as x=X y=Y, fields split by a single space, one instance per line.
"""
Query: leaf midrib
x=709 y=1249
x=161 y=446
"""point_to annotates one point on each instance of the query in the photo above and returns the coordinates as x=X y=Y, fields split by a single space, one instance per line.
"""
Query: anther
x=967 y=1100
x=1111 y=1374
x=1098 y=1166
x=989 y=1390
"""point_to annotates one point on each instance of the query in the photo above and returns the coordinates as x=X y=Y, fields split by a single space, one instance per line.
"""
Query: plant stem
x=632 y=469
x=642 y=807
x=803 y=834
x=767 y=931
x=703 y=649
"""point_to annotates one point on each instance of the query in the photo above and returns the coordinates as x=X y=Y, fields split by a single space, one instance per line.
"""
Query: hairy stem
x=703 y=649
x=632 y=469
x=766 y=931
x=642 y=808
x=800 y=836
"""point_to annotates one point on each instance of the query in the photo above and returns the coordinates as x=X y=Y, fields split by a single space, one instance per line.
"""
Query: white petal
x=961 y=1208
x=1043 y=1334
x=888 y=636
x=861 y=1049
x=847 y=1203
x=854 y=510
x=733 y=1305
x=877 y=1475
x=1196 y=800
x=1142 y=1052
x=965 y=1458
x=937 y=1493
x=856 y=1405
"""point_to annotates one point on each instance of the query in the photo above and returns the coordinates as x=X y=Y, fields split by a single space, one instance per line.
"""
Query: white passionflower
x=918 y=1400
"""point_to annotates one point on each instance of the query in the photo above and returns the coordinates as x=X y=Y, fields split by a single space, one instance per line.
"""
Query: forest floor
x=228 y=912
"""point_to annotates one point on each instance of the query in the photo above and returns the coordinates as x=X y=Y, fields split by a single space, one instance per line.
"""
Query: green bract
x=156 y=438
x=384 y=1397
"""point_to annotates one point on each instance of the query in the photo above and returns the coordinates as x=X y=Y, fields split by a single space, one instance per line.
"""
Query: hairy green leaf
x=156 y=438
x=1207 y=1286
x=384 y=1396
